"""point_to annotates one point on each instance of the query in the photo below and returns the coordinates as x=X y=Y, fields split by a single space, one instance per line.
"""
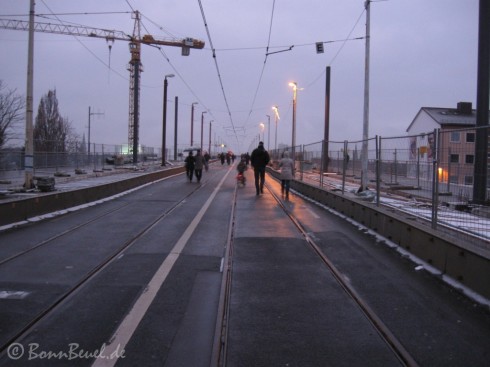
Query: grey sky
x=423 y=54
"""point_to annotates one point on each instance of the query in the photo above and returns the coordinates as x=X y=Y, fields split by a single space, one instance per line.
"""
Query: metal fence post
x=396 y=166
x=378 y=172
x=435 y=178
x=322 y=162
x=344 y=168
x=449 y=169
x=302 y=161
x=418 y=167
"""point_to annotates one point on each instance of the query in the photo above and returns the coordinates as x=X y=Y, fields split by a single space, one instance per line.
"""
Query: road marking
x=13 y=294
x=123 y=334
x=313 y=213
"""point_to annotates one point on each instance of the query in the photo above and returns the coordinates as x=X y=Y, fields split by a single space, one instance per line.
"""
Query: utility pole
x=326 y=136
x=164 y=123
x=269 y=132
x=210 y=125
x=202 y=130
x=29 y=148
x=175 y=128
x=192 y=123
x=365 y=128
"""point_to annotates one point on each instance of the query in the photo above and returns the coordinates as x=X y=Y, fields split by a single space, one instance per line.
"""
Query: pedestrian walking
x=286 y=165
x=199 y=165
x=207 y=157
x=189 y=166
x=259 y=160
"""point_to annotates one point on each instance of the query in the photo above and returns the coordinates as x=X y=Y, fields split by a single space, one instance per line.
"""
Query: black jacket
x=260 y=157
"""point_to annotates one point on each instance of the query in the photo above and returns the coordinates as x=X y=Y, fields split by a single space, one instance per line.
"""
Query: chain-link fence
x=429 y=177
x=82 y=157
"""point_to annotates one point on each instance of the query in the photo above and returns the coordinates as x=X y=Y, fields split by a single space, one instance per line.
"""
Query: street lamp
x=192 y=123
x=293 y=140
x=276 y=117
x=268 y=132
x=262 y=128
x=164 y=128
x=210 y=124
x=202 y=128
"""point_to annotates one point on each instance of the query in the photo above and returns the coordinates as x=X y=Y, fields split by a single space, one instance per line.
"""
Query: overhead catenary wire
x=218 y=70
x=264 y=64
x=348 y=38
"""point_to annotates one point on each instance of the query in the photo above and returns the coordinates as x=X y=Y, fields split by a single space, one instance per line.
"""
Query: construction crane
x=134 y=67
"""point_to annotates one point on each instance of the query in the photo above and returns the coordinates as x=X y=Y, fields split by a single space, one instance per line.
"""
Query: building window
x=470 y=137
x=468 y=180
x=469 y=159
x=455 y=137
x=454 y=158
x=453 y=179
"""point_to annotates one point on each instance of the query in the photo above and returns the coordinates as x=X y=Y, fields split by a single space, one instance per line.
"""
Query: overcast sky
x=423 y=54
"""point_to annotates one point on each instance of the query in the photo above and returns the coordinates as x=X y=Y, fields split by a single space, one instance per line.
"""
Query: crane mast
x=135 y=67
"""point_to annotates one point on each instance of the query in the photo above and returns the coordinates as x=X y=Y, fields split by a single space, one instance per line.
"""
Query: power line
x=217 y=69
x=348 y=38
x=265 y=62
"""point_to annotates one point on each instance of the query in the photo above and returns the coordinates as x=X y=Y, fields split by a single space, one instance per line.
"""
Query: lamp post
x=276 y=117
x=293 y=139
x=209 y=149
x=202 y=128
x=268 y=131
x=192 y=123
x=262 y=128
x=176 y=122
x=164 y=127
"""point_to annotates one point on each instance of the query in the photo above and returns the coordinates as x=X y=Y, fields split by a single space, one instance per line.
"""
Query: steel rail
x=385 y=333
x=90 y=275
x=50 y=239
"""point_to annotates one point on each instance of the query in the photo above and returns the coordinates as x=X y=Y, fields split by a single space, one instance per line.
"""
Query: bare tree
x=12 y=113
x=52 y=132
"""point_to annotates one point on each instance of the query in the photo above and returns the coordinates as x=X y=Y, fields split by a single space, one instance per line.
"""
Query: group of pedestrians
x=229 y=157
x=194 y=164
x=260 y=159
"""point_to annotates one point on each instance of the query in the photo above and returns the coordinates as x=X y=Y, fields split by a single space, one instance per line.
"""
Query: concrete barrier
x=22 y=209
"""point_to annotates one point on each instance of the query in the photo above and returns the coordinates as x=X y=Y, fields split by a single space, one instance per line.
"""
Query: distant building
x=456 y=145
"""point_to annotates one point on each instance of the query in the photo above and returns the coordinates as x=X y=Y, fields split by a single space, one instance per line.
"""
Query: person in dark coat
x=189 y=166
x=287 y=173
x=259 y=160
x=198 y=165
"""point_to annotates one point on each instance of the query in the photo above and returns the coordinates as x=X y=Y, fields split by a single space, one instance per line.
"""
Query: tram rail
x=30 y=324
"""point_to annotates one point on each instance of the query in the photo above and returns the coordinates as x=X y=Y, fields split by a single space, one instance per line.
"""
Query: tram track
x=90 y=274
x=61 y=234
x=220 y=345
x=389 y=338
